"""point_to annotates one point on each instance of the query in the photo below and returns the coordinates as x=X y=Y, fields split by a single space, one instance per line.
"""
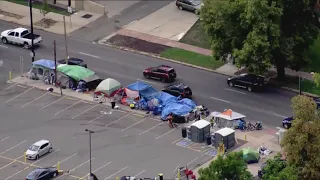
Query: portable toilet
x=200 y=130
x=225 y=136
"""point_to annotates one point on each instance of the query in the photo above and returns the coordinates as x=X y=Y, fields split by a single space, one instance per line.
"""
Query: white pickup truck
x=20 y=36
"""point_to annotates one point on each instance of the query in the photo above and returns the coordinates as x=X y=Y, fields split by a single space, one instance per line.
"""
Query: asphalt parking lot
x=124 y=143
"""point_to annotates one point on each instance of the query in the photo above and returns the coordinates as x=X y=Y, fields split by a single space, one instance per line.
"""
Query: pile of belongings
x=264 y=151
x=201 y=112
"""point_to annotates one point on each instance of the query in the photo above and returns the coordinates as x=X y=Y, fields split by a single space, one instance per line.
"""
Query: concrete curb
x=186 y=64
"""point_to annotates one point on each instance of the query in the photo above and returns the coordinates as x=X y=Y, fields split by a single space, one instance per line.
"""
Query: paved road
x=209 y=89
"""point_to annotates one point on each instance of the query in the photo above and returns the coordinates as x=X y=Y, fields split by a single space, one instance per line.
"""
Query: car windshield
x=33 y=174
x=33 y=148
x=196 y=2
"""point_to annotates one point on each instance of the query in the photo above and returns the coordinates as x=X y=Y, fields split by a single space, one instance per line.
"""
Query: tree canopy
x=231 y=166
x=262 y=33
x=302 y=141
x=277 y=169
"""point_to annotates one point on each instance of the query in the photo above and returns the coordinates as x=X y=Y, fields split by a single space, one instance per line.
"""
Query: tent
x=188 y=102
x=140 y=89
x=108 y=87
x=166 y=98
x=76 y=72
x=42 y=67
x=49 y=64
x=230 y=115
x=175 y=108
x=228 y=118
x=250 y=155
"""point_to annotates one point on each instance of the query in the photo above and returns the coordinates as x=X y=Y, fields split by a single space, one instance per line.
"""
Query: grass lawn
x=196 y=36
x=310 y=87
x=314 y=55
x=39 y=6
x=191 y=58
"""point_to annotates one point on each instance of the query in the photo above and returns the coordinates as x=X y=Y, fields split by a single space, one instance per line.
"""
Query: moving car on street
x=20 y=36
x=317 y=101
x=39 y=149
x=190 y=5
x=250 y=82
x=73 y=61
x=163 y=73
x=178 y=89
x=43 y=174
x=287 y=122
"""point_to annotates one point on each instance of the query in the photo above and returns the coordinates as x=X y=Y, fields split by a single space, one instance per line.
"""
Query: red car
x=163 y=73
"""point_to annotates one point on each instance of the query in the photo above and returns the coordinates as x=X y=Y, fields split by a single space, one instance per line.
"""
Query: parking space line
x=11 y=162
x=119 y=119
x=9 y=87
x=96 y=170
x=177 y=140
x=151 y=128
x=35 y=99
x=51 y=103
x=17 y=173
x=68 y=157
x=76 y=168
x=139 y=115
x=134 y=124
x=13 y=147
x=85 y=111
x=176 y=168
x=166 y=134
x=45 y=156
x=193 y=160
x=68 y=107
x=10 y=159
x=24 y=87
x=95 y=118
x=116 y=172
x=19 y=95
x=4 y=138
x=139 y=173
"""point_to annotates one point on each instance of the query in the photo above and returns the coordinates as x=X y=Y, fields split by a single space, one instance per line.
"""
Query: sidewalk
x=19 y=14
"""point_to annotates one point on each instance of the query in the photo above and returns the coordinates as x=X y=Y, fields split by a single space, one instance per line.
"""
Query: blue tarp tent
x=188 y=102
x=145 y=90
x=44 y=63
x=175 y=108
x=166 y=98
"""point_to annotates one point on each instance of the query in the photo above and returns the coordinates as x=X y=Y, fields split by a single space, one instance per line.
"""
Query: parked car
x=39 y=149
x=43 y=174
x=20 y=36
x=287 y=122
x=163 y=72
x=190 y=5
x=317 y=101
x=178 y=89
x=73 y=61
x=250 y=82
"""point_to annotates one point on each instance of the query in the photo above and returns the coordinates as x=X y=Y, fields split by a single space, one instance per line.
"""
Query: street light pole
x=90 y=132
x=31 y=26
x=300 y=91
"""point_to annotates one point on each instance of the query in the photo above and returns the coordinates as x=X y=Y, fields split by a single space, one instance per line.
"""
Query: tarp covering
x=91 y=78
x=138 y=86
x=175 y=108
x=166 y=98
x=75 y=72
x=44 y=63
x=188 y=102
x=108 y=86
x=250 y=155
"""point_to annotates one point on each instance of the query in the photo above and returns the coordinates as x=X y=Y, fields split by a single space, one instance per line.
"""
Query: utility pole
x=55 y=61
x=90 y=132
x=32 y=54
x=65 y=38
x=300 y=91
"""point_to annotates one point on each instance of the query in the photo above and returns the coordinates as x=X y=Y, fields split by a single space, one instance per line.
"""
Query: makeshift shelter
x=225 y=136
x=42 y=68
x=140 y=90
x=108 y=87
x=250 y=155
x=200 y=130
x=175 y=108
x=228 y=118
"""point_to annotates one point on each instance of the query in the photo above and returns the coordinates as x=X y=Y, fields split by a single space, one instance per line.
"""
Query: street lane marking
x=151 y=128
x=19 y=95
x=35 y=99
x=95 y=118
x=235 y=91
x=118 y=119
x=51 y=103
x=3 y=46
x=280 y=115
x=139 y=115
x=176 y=168
x=9 y=87
x=4 y=138
x=68 y=157
x=13 y=147
x=11 y=162
x=86 y=54
x=220 y=100
x=116 y=172
x=139 y=173
x=85 y=111
x=134 y=124
x=68 y=107
x=76 y=167
x=17 y=173
x=166 y=133
x=97 y=170
x=148 y=81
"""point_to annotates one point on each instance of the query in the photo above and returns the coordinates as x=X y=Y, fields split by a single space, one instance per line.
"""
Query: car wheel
x=231 y=84
x=147 y=76
x=286 y=126
x=26 y=45
x=50 y=150
x=163 y=80
x=54 y=174
x=250 y=89
x=37 y=157
x=180 y=7
x=4 y=40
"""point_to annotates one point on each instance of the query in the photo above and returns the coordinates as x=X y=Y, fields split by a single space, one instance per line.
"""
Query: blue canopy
x=188 y=102
x=176 y=109
x=138 y=86
x=45 y=63
x=166 y=98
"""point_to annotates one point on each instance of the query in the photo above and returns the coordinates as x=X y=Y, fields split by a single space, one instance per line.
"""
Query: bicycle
x=100 y=98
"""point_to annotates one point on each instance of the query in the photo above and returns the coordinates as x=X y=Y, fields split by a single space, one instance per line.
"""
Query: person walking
x=113 y=102
x=169 y=118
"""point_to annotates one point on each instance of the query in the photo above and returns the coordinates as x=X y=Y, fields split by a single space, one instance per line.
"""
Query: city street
x=209 y=89
x=124 y=143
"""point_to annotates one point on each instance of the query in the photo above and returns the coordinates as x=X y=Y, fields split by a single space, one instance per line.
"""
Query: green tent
x=75 y=72
x=250 y=155
x=108 y=87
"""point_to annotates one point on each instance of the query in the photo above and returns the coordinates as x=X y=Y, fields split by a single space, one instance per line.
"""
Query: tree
x=316 y=78
x=45 y=9
x=261 y=33
x=277 y=169
x=232 y=166
x=302 y=141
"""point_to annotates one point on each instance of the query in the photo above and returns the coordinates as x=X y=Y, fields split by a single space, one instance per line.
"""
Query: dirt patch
x=46 y=23
x=137 y=44
x=5 y=13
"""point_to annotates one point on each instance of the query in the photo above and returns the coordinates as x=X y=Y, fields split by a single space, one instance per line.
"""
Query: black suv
x=250 y=82
x=163 y=73
x=73 y=61
x=178 y=90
